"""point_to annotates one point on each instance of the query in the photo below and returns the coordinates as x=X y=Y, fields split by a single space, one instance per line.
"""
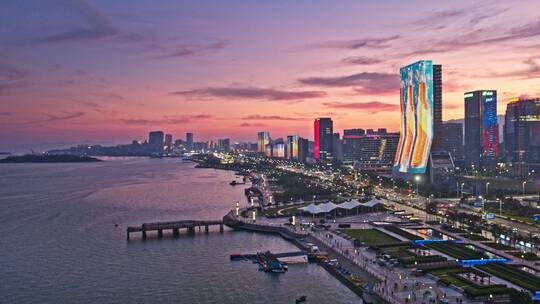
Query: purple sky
x=110 y=71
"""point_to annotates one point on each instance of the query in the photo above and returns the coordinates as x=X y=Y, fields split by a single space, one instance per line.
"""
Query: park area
x=473 y=282
x=371 y=237
x=457 y=251
x=513 y=274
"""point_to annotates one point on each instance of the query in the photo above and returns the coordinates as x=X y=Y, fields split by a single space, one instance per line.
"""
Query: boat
x=301 y=299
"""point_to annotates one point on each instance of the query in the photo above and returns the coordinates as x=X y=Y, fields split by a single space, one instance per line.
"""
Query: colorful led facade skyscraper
x=323 y=137
x=420 y=116
x=481 y=128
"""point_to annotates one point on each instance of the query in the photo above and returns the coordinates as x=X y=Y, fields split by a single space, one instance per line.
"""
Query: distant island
x=5 y=153
x=48 y=158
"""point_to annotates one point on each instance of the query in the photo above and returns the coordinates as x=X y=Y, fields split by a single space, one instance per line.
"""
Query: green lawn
x=528 y=256
x=451 y=276
x=474 y=237
x=403 y=233
x=513 y=275
x=458 y=251
x=499 y=246
x=371 y=237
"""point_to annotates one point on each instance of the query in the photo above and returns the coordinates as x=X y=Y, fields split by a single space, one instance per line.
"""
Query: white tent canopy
x=349 y=204
x=373 y=202
x=311 y=208
x=321 y=208
x=328 y=207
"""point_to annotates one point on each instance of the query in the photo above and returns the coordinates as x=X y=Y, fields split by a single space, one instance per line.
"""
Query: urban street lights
x=417 y=179
x=523 y=187
x=487 y=189
x=462 y=184
x=482 y=200
x=500 y=206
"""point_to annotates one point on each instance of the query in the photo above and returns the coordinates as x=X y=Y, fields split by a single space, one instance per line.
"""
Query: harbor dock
x=175 y=226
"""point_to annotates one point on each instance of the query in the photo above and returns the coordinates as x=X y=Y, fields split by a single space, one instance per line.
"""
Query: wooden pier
x=190 y=225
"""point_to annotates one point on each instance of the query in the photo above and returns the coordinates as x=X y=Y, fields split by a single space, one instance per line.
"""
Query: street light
x=417 y=179
x=487 y=189
x=500 y=206
x=523 y=186
x=462 y=184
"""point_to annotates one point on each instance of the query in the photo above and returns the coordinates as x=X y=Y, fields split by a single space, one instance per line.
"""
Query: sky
x=110 y=71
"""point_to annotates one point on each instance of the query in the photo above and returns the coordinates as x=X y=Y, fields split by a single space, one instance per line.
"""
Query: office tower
x=522 y=136
x=189 y=141
x=453 y=140
x=269 y=150
x=263 y=139
x=421 y=116
x=303 y=149
x=351 y=145
x=438 y=136
x=155 y=141
x=224 y=145
x=337 y=147
x=279 y=149
x=323 y=135
x=168 y=140
x=481 y=129
x=377 y=150
x=293 y=143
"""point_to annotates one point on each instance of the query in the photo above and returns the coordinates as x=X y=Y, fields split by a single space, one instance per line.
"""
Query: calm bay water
x=59 y=243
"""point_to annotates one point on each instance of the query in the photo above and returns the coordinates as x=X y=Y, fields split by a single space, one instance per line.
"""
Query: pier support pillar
x=160 y=233
x=144 y=234
x=191 y=230
x=199 y=228
x=220 y=227
x=128 y=236
x=206 y=228
x=176 y=232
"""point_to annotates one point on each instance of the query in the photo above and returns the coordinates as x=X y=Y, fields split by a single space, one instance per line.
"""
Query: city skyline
x=107 y=73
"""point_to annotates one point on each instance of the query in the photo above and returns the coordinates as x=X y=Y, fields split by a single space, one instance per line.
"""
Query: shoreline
x=299 y=241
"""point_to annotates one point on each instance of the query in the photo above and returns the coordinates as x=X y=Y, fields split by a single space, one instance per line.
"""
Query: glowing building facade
x=263 y=139
x=417 y=117
x=323 y=137
x=481 y=129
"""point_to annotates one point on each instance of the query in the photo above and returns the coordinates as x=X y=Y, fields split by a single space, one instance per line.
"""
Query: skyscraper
x=438 y=137
x=323 y=135
x=337 y=148
x=189 y=141
x=522 y=135
x=481 y=129
x=351 y=145
x=263 y=139
x=421 y=116
x=155 y=141
x=453 y=140
x=224 y=145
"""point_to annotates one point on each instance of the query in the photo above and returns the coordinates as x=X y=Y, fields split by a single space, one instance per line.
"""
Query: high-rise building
x=189 y=141
x=377 y=150
x=168 y=144
x=263 y=139
x=481 y=129
x=351 y=145
x=155 y=141
x=453 y=140
x=438 y=136
x=224 y=145
x=323 y=135
x=421 y=117
x=522 y=135
x=279 y=149
x=337 y=147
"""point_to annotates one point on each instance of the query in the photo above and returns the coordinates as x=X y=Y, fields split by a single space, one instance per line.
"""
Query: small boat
x=301 y=299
